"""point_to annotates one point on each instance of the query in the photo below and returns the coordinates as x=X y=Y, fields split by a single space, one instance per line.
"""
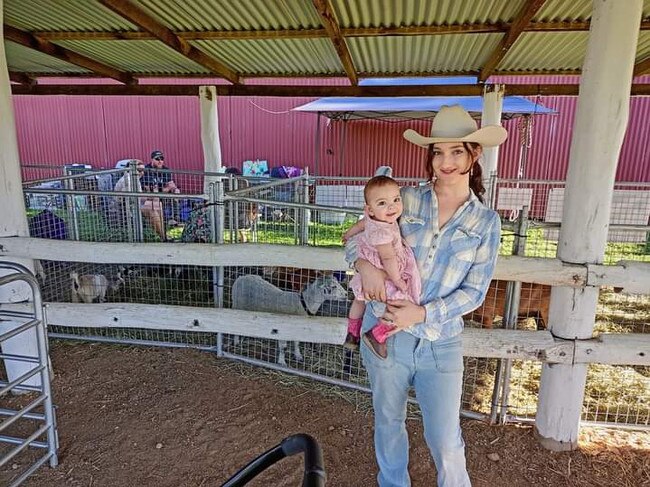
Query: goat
x=251 y=292
x=89 y=287
x=534 y=302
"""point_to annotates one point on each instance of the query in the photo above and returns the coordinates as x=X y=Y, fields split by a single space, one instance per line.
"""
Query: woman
x=455 y=239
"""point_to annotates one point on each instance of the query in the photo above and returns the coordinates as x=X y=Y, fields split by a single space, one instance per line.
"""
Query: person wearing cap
x=158 y=178
x=455 y=239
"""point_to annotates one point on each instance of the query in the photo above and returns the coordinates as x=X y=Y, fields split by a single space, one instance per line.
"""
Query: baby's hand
x=345 y=237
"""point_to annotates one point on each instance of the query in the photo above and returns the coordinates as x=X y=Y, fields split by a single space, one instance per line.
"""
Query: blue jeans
x=435 y=370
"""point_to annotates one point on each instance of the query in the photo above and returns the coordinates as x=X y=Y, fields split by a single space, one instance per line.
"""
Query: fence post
x=602 y=115
x=513 y=296
x=217 y=219
x=138 y=230
x=71 y=203
x=305 y=213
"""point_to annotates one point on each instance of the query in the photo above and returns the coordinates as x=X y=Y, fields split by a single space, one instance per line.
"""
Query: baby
x=381 y=244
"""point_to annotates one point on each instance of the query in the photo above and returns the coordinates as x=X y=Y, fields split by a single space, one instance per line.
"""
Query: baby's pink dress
x=378 y=233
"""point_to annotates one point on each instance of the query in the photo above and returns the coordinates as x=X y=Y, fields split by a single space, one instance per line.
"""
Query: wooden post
x=492 y=109
x=209 y=134
x=601 y=119
x=13 y=223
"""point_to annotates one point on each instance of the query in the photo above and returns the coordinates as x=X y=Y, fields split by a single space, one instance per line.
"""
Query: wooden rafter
x=642 y=67
x=320 y=33
x=334 y=31
x=139 y=17
x=362 y=74
x=528 y=11
x=28 y=40
x=21 y=78
x=306 y=91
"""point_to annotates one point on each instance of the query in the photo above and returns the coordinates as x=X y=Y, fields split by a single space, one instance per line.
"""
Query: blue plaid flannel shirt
x=456 y=262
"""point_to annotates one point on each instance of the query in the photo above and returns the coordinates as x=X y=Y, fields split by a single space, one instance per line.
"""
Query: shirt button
x=435 y=235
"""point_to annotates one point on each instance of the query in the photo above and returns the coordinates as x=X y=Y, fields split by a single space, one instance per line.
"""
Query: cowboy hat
x=454 y=124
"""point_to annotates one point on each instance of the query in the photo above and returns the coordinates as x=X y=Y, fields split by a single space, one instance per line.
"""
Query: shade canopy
x=414 y=107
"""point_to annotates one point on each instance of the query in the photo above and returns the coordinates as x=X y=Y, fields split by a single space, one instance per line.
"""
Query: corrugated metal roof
x=643 y=47
x=539 y=51
x=63 y=15
x=136 y=56
x=281 y=56
x=563 y=11
x=407 y=54
x=182 y=15
x=414 y=54
x=20 y=58
x=379 y=13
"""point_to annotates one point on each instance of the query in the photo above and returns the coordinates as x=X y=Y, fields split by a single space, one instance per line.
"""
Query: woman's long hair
x=475 y=170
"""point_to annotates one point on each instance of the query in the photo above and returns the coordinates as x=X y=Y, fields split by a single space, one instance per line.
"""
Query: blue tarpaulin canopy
x=414 y=107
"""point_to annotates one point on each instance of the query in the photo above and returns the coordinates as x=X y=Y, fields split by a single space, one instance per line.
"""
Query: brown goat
x=534 y=303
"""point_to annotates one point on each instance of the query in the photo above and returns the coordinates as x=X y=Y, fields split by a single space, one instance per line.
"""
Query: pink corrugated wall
x=102 y=130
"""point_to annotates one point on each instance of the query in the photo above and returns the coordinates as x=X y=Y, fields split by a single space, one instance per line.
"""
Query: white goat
x=252 y=293
x=89 y=287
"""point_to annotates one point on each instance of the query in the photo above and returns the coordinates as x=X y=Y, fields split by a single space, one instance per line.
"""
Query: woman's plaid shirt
x=456 y=262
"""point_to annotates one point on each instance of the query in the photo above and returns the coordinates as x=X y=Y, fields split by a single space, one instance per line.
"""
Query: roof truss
x=28 y=40
x=322 y=33
x=309 y=91
x=527 y=12
x=334 y=31
x=139 y=17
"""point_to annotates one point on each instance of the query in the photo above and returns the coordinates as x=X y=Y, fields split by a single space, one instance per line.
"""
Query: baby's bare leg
x=357 y=309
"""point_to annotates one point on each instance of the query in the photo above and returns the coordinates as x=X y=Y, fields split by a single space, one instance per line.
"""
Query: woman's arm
x=471 y=292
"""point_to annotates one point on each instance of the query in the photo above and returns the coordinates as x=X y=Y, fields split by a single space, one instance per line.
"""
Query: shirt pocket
x=464 y=244
x=410 y=227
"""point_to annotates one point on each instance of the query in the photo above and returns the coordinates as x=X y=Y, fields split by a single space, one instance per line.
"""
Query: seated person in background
x=150 y=207
x=158 y=177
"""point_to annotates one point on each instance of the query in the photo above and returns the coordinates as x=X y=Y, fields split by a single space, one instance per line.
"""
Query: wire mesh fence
x=317 y=211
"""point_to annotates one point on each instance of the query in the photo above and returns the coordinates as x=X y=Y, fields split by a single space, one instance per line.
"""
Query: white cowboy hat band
x=454 y=124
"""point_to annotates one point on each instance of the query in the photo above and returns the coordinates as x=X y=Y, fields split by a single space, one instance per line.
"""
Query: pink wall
x=101 y=130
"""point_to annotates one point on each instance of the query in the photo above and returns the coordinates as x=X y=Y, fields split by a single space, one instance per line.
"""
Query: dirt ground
x=169 y=417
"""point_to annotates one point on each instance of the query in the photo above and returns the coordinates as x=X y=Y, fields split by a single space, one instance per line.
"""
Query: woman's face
x=385 y=203
x=451 y=160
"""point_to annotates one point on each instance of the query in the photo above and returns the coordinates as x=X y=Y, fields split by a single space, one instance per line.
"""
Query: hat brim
x=488 y=136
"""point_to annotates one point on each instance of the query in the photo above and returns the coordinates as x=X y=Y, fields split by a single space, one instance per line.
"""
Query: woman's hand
x=373 y=281
x=403 y=314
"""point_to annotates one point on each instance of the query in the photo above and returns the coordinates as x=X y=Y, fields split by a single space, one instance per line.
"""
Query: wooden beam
x=305 y=91
x=139 y=17
x=28 y=40
x=362 y=74
x=634 y=277
x=413 y=30
x=631 y=349
x=642 y=67
x=331 y=25
x=528 y=11
x=21 y=78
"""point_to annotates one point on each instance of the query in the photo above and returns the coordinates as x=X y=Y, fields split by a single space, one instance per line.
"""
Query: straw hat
x=454 y=124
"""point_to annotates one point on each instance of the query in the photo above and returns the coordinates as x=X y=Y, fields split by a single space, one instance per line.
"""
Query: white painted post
x=492 y=109
x=209 y=134
x=601 y=120
x=13 y=223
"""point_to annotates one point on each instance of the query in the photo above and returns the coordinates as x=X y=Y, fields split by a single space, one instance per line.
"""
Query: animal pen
x=497 y=389
x=585 y=357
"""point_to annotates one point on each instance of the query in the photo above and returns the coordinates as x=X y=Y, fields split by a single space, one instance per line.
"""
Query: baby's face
x=385 y=203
